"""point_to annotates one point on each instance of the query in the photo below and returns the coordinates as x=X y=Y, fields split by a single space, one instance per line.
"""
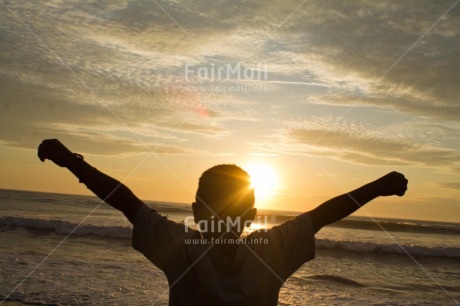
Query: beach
x=72 y=250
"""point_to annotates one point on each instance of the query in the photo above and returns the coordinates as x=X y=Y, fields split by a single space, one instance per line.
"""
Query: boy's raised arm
x=335 y=209
x=105 y=187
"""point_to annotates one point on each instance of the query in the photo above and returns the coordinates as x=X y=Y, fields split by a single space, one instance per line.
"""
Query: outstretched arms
x=105 y=187
x=335 y=209
x=120 y=197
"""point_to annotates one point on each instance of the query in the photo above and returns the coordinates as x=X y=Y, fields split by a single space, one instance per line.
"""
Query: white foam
x=415 y=250
x=66 y=227
x=124 y=232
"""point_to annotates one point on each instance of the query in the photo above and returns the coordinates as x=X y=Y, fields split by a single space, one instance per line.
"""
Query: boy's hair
x=225 y=190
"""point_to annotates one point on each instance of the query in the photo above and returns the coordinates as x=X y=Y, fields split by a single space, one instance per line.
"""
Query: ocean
x=58 y=249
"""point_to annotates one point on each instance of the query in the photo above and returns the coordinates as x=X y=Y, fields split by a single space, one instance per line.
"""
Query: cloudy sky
x=332 y=94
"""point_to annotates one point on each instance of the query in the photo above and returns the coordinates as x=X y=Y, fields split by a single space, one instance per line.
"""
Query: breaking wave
x=124 y=232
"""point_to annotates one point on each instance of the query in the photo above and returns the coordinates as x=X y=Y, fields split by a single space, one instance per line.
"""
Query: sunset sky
x=341 y=93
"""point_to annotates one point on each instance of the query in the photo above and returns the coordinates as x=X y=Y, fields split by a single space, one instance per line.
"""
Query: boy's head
x=224 y=191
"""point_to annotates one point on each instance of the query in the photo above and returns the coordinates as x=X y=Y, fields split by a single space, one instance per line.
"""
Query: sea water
x=60 y=249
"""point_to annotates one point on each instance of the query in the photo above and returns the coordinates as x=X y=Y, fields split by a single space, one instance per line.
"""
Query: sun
x=263 y=179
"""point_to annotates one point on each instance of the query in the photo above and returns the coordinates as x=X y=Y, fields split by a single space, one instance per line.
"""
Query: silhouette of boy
x=220 y=269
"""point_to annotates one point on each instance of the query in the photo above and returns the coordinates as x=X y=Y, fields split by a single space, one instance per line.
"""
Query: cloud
x=357 y=143
x=450 y=185
x=410 y=105
x=96 y=75
x=32 y=113
x=349 y=47
x=93 y=69
x=118 y=69
x=370 y=149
